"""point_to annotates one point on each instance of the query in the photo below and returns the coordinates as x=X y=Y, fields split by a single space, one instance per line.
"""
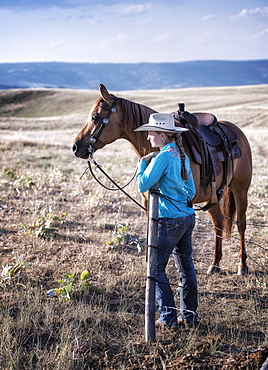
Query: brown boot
x=159 y=324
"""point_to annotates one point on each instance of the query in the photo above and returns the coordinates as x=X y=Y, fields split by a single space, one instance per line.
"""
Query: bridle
x=96 y=134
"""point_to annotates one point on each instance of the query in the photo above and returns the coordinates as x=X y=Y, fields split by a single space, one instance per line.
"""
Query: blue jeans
x=175 y=235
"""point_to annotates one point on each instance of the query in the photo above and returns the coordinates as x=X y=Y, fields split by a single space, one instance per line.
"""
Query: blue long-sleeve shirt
x=166 y=168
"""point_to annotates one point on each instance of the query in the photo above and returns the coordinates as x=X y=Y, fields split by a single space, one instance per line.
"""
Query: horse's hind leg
x=240 y=197
x=217 y=220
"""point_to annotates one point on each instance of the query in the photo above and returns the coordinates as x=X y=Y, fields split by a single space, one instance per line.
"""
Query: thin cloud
x=56 y=44
x=41 y=4
x=162 y=37
x=201 y=38
x=105 y=41
x=251 y=13
x=85 y=16
x=53 y=18
x=120 y=38
x=127 y=9
x=208 y=17
x=132 y=6
x=260 y=34
x=59 y=18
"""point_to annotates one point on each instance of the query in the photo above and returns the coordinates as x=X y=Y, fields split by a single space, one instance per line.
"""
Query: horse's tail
x=228 y=209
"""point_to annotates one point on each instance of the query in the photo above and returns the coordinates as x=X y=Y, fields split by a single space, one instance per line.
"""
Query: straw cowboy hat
x=163 y=122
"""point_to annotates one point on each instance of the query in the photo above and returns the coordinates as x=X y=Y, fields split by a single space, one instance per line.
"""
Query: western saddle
x=212 y=144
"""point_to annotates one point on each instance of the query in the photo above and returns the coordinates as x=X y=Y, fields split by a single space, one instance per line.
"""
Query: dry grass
x=40 y=177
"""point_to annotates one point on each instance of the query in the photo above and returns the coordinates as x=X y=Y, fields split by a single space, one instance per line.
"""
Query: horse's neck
x=133 y=116
x=140 y=149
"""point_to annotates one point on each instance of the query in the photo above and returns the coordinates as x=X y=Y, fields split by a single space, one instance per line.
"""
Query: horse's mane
x=138 y=113
x=135 y=112
x=134 y=115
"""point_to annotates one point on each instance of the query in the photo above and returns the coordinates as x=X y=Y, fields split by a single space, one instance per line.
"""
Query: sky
x=132 y=31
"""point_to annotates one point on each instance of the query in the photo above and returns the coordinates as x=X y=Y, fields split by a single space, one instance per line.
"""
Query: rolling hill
x=139 y=76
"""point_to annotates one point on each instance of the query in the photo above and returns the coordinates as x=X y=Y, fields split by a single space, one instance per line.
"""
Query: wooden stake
x=151 y=264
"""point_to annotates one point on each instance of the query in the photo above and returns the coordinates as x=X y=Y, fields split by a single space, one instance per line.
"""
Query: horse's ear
x=105 y=94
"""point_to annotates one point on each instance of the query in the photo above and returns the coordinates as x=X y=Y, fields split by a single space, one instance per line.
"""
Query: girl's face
x=157 y=139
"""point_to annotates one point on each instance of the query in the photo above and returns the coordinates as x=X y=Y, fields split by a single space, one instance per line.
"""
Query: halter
x=105 y=121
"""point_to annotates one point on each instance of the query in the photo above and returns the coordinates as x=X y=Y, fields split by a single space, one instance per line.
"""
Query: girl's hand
x=149 y=156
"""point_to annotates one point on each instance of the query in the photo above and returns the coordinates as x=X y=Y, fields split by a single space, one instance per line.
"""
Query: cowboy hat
x=163 y=122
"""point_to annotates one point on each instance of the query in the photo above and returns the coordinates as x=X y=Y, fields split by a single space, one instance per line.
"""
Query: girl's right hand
x=149 y=156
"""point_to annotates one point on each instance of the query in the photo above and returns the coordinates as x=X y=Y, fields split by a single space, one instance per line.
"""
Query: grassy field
x=55 y=225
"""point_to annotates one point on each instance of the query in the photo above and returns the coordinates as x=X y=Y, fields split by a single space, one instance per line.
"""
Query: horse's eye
x=94 y=117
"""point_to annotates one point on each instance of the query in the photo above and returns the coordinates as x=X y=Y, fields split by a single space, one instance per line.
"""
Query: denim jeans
x=175 y=235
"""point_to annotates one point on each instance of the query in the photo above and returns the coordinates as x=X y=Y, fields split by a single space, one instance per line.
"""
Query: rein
x=89 y=168
x=112 y=181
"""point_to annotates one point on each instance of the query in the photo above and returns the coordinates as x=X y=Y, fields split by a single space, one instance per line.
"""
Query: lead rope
x=89 y=168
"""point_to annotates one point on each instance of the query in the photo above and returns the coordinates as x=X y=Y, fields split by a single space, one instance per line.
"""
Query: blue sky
x=133 y=31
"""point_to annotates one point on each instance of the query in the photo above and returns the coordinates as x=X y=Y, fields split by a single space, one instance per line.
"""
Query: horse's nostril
x=74 y=148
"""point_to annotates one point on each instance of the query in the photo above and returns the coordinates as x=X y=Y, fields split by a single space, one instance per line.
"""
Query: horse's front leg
x=217 y=220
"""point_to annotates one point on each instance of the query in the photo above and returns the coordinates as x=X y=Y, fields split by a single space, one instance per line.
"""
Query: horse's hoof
x=213 y=269
x=242 y=270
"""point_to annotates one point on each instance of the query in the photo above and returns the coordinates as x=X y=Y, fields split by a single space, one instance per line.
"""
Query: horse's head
x=101 y=126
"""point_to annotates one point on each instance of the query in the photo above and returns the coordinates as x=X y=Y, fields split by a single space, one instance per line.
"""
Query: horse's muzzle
x=82 y=154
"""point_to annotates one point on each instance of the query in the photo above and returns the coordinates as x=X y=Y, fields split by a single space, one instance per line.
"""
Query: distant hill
x=136 y=76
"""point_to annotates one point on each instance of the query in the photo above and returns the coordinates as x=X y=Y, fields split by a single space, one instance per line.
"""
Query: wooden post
x=265 y=365
x=151 y=264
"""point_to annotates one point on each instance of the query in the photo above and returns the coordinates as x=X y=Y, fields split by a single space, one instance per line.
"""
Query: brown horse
x=113 y=118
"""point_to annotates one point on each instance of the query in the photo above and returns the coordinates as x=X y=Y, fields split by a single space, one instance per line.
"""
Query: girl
x=171 y=168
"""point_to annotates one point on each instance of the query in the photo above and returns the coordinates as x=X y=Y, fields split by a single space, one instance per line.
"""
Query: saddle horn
x=181 y=107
